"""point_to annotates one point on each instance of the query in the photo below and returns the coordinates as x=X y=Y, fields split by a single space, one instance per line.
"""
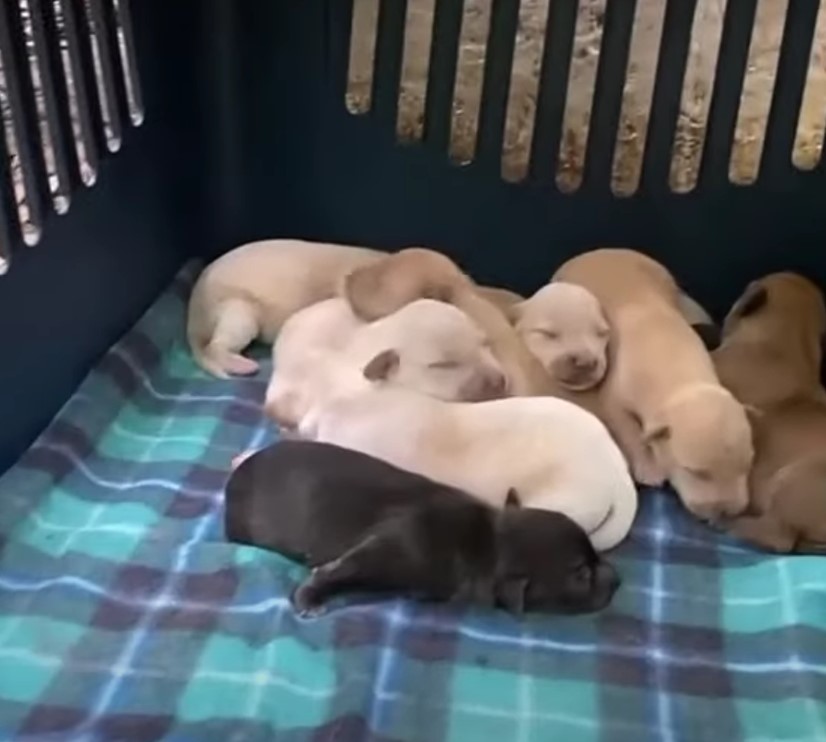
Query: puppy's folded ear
x=512 y=499
x=382 y=366
x=510 y=594
x=754 y=298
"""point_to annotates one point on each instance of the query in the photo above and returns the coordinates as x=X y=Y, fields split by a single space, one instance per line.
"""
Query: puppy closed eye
x=548 y=334
x=444 y=365
x=602 y=333
x=702 y=474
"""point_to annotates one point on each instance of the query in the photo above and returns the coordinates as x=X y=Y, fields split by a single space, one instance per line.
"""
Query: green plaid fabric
x=124 y=615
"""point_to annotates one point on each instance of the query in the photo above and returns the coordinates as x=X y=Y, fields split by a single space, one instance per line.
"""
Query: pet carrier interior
x=143 y=138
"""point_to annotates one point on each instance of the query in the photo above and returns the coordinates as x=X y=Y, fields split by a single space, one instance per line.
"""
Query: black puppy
x=364 y=524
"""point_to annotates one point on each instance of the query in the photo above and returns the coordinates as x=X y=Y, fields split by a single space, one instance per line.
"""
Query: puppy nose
x=714 y=513
x=583 y=364
x=608 y=577
x=496 y=384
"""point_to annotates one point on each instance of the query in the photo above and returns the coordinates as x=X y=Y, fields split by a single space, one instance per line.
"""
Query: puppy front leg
x=378 y=563
x=627 y=432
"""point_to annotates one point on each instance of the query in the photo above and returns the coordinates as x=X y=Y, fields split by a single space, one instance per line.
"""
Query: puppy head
x=564 y=326
x=703 y=440
x=784 y=310
x=546 y=563
x=384 y=287
x=432 y=348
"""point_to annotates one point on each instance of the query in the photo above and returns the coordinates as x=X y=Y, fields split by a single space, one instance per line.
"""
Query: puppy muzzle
x=485 y=387
x=578 y=371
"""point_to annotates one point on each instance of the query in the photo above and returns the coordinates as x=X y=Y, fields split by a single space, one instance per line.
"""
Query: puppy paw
x=239 y=365
x=306 y=598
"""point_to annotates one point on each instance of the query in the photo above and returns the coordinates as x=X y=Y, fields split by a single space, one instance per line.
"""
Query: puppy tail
x=215 y=336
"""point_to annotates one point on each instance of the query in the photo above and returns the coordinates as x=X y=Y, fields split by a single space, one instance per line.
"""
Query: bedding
x=124 y=614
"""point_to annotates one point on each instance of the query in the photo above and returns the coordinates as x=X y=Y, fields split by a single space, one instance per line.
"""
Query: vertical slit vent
x=68 y=87
x=671 y=94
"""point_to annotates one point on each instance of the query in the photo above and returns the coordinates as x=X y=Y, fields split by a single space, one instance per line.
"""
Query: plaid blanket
x=124 y=615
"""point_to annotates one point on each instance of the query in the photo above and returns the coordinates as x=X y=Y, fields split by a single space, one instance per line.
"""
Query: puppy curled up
x=558 y=456
x=365 y=525
x=661 y=397
x=441 y=353
x=248 y=293
x=383 y=287
x=770 y=358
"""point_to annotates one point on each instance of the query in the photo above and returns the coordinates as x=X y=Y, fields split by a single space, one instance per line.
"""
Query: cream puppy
x=250 y=291
x=553 y=453
x=564 y=326
x=380 y=288
x=662 y=398
x=440 y=351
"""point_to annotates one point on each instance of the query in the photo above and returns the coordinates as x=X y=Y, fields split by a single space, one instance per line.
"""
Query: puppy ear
x=382 y=366
x=511 y=595
x=754 y=298
x=512 y=499
x=656 y=434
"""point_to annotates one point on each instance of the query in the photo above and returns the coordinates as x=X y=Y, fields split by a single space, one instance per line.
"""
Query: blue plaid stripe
x=125 y=615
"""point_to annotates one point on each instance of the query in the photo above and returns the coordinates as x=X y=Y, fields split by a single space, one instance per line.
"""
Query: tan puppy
x=564 y=326
x=250 y=291
x=661 y=397
x=440 y=353
x=554 y=454
x=383 y=287
x=770 y=358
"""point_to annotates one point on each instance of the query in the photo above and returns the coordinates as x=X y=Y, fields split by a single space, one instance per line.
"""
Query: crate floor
x=125 y=616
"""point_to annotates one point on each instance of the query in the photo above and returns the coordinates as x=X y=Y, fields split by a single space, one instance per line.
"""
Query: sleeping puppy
x=441 y=353
x=564 y=326
x=363 y=524
x=385 y=286
x=250 y=291
x=555 y=454
x=661 y=397
x=770 y=358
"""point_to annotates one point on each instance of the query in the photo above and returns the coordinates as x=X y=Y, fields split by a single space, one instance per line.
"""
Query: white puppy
x=440 y=351
x=564 y=327
x=553 y=453
x=250 y=291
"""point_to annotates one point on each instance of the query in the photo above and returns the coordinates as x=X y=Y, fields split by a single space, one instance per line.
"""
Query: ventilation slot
x=808 y=143
x=619 y=94
x=636 y=98
x=68 y=86
x=761 y=69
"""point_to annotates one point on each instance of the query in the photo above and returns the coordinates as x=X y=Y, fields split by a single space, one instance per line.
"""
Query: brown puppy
x=379 y=289
x=661 y=398
x=770 y=358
